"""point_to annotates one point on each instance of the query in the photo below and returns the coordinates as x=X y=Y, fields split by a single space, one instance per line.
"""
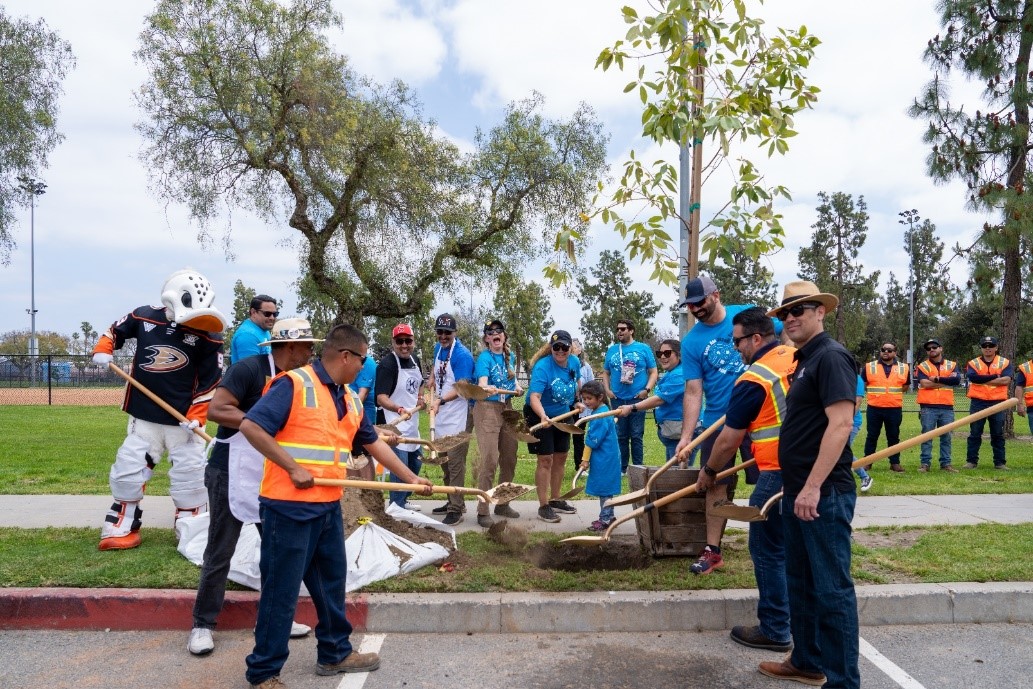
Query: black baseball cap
x=445 y=322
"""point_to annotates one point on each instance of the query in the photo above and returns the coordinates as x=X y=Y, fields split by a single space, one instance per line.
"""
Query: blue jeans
x=822 y=601
x=934 y=417
x=860 y=471
x=411 y=459
x=877 y=417
x=223 y=532
x=767 y=549
x=294 y=551
x=606 y=514
x=1029 y=418
x=670 y=444
x=975 y=436
x=630 y=430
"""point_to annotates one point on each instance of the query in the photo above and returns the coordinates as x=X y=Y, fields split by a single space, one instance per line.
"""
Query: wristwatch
x=712 y=473
x=634 y=406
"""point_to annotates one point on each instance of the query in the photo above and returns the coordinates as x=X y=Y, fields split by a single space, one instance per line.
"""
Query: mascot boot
x=121 y=530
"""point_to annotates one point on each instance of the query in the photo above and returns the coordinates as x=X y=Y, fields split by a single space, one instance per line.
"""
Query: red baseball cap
x=402 y=329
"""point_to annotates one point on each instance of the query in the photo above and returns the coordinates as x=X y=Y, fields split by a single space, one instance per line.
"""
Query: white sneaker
x=201 y=642
x=299 y=630
x=413 y=506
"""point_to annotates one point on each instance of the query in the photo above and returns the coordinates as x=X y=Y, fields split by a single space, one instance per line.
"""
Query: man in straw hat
x=819 y=499
x=291 y=344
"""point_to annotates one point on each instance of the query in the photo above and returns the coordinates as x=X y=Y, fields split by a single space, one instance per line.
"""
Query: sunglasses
x=932 y=347
x=494 y=331
x=988 y=346
x=444 y=332
x=621 y=328
x=361 y=357
x=269 y=314
x=403 y=340
x=560 y=348
x=887 y=349
x=794 y=311
x=664 y=352
x=737 y=340
x=696 y=304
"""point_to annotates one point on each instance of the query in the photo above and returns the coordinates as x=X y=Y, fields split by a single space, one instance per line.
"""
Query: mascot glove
x=190 y=425
x=102 y=359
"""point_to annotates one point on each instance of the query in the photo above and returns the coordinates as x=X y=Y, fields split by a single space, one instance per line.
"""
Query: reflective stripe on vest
x=771 y=372
x=982 y=391
x=886 y=391
x=1027 y=390
x=315 y=438
x=943 y=396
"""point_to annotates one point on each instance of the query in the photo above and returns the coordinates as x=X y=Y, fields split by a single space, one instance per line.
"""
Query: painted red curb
x=140 y=609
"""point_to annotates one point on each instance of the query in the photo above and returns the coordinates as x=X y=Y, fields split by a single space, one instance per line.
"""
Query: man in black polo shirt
x=819 y=499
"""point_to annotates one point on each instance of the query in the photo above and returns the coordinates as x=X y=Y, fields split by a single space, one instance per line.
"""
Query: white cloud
x=386 y=41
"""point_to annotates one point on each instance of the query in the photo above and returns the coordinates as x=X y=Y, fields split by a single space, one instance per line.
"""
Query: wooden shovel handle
x=676 y=495
x=929 y=435
x=157 y=400
x=593 y=417
x=540 y=426
x=388 y=485
x=685 y=451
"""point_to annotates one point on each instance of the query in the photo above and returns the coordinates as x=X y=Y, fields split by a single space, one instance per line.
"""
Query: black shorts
x=551 y=440
x=732 y=481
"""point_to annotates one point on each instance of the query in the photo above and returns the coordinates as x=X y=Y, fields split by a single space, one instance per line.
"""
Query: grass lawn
x=68 y=450
x=984 y=552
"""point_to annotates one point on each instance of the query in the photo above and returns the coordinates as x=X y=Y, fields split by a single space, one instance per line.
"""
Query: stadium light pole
x=34 y=188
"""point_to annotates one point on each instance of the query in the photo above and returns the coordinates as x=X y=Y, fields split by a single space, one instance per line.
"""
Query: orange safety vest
x=982 y=391
x=315 y=438
x=886 y=391
x=936 y=395
x=1027 y=390
x=771 y=372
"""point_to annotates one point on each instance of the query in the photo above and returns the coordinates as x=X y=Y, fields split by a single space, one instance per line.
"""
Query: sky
x=104 y=243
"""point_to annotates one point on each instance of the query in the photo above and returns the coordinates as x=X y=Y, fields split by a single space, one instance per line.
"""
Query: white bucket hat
x=290 y=330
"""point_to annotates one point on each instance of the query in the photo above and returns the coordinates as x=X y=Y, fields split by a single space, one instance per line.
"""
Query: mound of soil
x=360 y=504
x=618 y=553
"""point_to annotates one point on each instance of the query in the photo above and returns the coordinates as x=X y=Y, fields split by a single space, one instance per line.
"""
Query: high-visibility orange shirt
x=944 y=369
x=982 y=391
x=1027 y=388
x=886 y=390
x=771 y=372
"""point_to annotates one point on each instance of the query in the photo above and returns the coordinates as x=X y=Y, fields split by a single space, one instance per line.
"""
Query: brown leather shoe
x=785 y=670
x=355 y=662
x=899 y=468
x=949 y=469
x=924 y=469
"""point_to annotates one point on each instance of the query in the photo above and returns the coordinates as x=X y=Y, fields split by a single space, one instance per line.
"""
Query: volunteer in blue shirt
x=555 y=379
x=250 y=334
x=667 y=397
x=629 y=373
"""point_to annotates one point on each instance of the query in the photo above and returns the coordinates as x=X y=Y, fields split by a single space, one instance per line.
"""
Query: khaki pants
x=455 y=470
x=497 y=448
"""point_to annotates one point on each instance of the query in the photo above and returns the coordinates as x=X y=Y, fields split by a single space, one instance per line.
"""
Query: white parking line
x=892 y=670
x=371 y=643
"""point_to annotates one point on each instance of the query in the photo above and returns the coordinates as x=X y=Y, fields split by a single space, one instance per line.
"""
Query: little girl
x=603 y=462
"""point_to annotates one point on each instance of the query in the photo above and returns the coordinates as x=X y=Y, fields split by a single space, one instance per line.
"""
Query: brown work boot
x=271 y=683
x=924 y=469
x=949 y=469
x=355 y=662
x=785 y=670
x=897 y=468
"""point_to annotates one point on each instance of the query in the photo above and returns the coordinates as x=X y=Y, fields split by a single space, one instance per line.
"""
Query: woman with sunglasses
x=555 y=379
x=495 y=370
x=667 y=399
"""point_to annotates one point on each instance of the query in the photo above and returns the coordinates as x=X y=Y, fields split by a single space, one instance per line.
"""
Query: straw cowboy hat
x=801 y=291
x=290 y=330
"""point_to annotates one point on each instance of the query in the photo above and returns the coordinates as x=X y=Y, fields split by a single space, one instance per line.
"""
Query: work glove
x=189 y=425
x=102 y=359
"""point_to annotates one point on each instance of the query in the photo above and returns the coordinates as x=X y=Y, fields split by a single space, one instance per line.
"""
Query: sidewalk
x=630 y=611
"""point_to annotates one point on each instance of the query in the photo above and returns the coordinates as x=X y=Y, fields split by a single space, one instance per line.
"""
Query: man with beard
x=629 y=373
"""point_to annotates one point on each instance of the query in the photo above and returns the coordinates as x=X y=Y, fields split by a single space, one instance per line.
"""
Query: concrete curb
x=622 y=611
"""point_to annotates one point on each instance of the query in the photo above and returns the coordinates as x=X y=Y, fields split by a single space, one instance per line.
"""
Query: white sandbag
x=374 y=553
x=417 y=519
x=192 y=534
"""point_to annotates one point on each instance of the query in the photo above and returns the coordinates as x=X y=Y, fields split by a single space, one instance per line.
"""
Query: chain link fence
x=60 y=379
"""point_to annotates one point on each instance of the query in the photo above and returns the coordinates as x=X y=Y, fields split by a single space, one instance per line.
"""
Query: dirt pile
x=361 y=504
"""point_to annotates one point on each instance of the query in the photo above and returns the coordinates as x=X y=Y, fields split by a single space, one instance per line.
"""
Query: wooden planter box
x=678 y=529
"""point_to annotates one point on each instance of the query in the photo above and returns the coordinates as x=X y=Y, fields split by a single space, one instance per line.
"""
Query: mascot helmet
x=187 y=296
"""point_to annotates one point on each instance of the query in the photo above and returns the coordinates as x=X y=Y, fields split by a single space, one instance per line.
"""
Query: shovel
x=603 y=415
x=393 y=426
x=649 y=507
x=432 y=459
x=476 y=392
x=507 y=492
x=642 y=493
x=483 y=496
x=449 y=442
x=518 y=426
x=157 y=400
x=574 y=489
x=749 y=513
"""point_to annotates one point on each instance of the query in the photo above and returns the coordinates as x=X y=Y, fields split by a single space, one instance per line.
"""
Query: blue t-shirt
x=637 y=355
x=245 y=341
x=671 y=389
x=860 y=393
x=604 y=464
x=557 y=385
x=366 y=379
x=493 y=366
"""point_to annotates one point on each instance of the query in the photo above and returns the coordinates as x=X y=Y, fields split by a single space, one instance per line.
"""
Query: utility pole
x=909 y=218
x=34 y=188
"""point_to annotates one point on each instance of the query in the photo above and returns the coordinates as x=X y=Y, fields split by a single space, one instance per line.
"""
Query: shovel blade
x=587 y=541
x=627 y=498
x=739 y=513
x=507 y=492
x=569 y=428
x=470 y=391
